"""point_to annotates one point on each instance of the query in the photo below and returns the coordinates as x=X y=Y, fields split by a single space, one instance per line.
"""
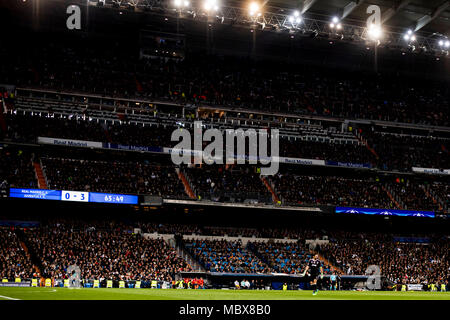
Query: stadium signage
x=385 y=212
x=15 y=284
x=415 y=287
x=76 y=196
x=310 y=162
x=431 y=170
x=207 y=157
x=131 y=148
x=348 y=164
x=70 y=142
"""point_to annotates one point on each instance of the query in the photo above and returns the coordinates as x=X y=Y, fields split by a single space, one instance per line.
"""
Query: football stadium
x=225 y=150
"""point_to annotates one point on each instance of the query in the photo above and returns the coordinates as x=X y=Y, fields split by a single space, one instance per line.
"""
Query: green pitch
x=14 y=293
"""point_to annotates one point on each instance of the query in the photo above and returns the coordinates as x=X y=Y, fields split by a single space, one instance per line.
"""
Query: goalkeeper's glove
x=304 y=273
x=321 y=276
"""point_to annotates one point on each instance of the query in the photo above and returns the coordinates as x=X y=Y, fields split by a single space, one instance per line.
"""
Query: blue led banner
x=112 y=198
x=35 y=194
x=385 y=212
x=77 y=196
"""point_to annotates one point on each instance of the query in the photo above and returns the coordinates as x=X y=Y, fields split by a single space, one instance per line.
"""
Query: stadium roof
x=425 y=15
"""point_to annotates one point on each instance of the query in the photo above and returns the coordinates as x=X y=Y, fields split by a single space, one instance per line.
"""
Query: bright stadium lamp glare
x=254 y=9
x=441 y=43
x=211 y=5
x=338 y=26
x=447 y=44
x=374 y=32
x=335 y=20
x=295 y=18
x=332 y=25
x=181 y=3
x=409 y=36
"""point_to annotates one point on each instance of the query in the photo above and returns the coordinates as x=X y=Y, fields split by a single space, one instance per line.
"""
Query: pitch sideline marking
x=8 y=298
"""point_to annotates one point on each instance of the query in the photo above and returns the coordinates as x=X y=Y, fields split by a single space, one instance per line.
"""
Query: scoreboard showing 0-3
x=77 y=196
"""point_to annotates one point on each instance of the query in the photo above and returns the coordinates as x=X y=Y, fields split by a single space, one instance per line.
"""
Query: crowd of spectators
x=230 y=231
x=234 y=183
x=169 y=228
x=226 y=256
x=401 y=152
x=110 y=250
x=113 y=176
x=114 y=254
x=291 y=258
x=413 y=196
x=16 y=169
x=15 y=262
x=399 y=262
x=395 y=152
x=228 y=81
x=26 y=128
x=338 y=152
x=442 y=192
x=339 y=191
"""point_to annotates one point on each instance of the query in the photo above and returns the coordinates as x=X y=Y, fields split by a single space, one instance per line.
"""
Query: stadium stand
x=226 y=256
x=235 y=184
x=218 y=81
x=409 y=151
x=290 y=258
x=113 y=176
x=337 y=191
x=399 y=261
x=355 y=138
x=110 y=250
x=14 y=260
x=103 y=254
x=16 y=169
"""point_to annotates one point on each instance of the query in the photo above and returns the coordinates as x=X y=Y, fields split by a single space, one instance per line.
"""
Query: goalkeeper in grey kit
x=315 y=269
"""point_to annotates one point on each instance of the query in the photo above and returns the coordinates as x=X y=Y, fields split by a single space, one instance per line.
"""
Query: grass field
x=14 y=293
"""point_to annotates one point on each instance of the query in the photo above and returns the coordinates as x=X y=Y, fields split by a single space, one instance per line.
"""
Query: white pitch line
x=8 y=298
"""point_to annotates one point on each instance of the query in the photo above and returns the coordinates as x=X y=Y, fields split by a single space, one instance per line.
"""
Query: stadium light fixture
x=181 y=3
x=211 y=5
x=335 y=20
x=295 y=18
x=254 y=9
x=409 y=36
x=374 y=32
x=333 y=25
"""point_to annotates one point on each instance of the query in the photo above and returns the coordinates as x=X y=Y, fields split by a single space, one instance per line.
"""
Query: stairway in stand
x=275 y=198
x=42 y=183
x=187 y=186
